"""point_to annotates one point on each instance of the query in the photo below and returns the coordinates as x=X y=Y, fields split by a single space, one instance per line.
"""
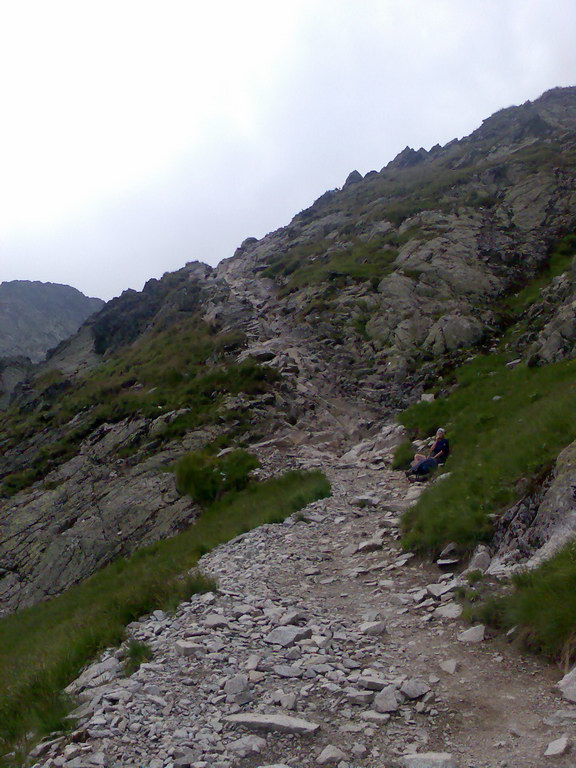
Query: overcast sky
x=136 y=135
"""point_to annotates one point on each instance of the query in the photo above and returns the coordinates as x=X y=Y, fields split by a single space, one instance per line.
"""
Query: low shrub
x=136 y=654
x=206 y=478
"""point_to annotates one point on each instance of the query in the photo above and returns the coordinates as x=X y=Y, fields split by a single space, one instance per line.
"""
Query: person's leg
x=425 y=467
x=413 y=471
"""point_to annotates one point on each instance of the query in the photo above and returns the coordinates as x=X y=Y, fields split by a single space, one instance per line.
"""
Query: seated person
x=422 y=465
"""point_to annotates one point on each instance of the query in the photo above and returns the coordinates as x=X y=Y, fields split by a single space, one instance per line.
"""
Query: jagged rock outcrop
x=34 y=316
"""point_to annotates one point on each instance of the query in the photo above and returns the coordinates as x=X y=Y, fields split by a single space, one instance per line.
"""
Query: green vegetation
x=542 y=606
x=504 y=424
x=473 y=577
x=136 y=653
x=206 y=478
x=44 y=647
x=185 y=368
x=320 y=262
x=403 y=455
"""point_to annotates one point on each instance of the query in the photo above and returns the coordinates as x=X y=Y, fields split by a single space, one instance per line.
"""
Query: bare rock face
x=490 y=217
x=538 y=526
x=88 y=512
x=34 y=316
x=554 y=322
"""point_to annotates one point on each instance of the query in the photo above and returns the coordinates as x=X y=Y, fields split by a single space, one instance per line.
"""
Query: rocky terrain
x=301 y=348
x=388 y=281
x=325 y=644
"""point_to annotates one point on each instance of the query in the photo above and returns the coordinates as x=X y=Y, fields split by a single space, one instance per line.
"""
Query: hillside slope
x=311 y=335
x=450 y=271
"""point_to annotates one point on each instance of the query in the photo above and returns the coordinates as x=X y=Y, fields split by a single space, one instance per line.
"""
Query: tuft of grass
x=403 y=455
x=473 y=577
x=206 y=478
x=495 y=443
x=136 y=654
x=44 y=647
x=542 y=605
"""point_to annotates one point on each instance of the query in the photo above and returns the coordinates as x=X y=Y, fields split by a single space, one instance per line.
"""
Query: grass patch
x=495 y=443
x=319 y=262
x=44 y=647
x=543 y=607
x=136 y=654
x=403 y=455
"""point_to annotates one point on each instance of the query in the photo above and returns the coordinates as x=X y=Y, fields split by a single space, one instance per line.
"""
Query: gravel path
x=339 y=642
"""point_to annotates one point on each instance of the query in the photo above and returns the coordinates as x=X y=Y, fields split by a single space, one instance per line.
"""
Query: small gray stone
x=359 y=697
x=286 y=636
x=372 y=682
x=472 y=635
x=480 y=560
x=414 y=688
x=558 y=747
x=215 y=621
x=372 y=628
x=186 y=648
x=448 y=611
x=288 y=670
x=370 y=545
x=386 y=700
x=236 y=684
x=450 y=666
x=365 y=501
x=429 y=760
x=567 y=686
x=374 y=717
x=292 y=617
x=247 y=745
x=330 y=755
x=272 y=722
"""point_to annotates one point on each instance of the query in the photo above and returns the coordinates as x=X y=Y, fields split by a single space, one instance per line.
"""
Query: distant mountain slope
x=35 y=316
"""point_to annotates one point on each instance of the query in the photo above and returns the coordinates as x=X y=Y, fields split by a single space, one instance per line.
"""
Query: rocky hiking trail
x=325 y=644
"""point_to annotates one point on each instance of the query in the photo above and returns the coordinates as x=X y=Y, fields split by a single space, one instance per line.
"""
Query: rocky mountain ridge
x=361 y=302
